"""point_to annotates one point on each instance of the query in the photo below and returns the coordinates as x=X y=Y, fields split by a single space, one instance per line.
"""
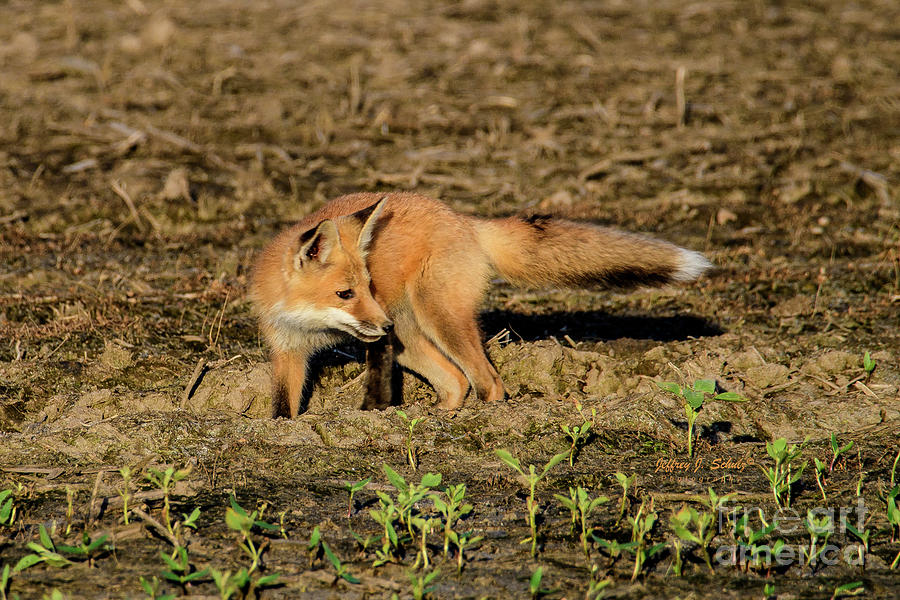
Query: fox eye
x=344 y=294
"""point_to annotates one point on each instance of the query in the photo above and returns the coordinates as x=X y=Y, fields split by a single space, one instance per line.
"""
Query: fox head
x=326 y=282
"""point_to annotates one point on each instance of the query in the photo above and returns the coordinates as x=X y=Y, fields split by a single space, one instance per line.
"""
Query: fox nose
x=388 y=326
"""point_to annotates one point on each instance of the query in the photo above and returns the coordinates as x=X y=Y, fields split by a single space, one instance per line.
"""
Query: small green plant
x=862 y=549
x=165 y=481
x=179 y=568
x=4 y=581
x=693 y=398
x=580 y=504
x=848 y=589
x=579 y=436
x=230 y=584
x=768 y=591
x=87 y=550
x=7 y=508
x=352 y=488
x=44 y=552
x=340 y=569
x=893 y=518
x=151 y=588
x=409 y=494
x=641 y=526
x=452 y=509
x=70 y=509
x=534 y=584
x=410 y=427
x=421 y=583
x=532 y=478
x=821 y=468
x=596 y=587
x=836 y=451
x=386 y=515
x=242 y=522
x=125 y=490
x=425 y=526
x=625 y=482
x=613 y=547
x=868 y=365
x=691 y=526
x=748 y=552
x=782 y=475
x=462 y=541
x=819 y=531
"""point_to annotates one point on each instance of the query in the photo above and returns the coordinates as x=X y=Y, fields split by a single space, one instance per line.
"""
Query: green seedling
x=641 y=526
x=692 y=526
x=241 y=582
x=894 y=467
x=4 y=581
x=165 y=481
x=532 y=478
x=151 y=588
x=893 y=517
x=452 y=508
x=462 y=541
x=409 y=494
x=862 y=549
x=782 y=476
x=836 y=451
x=424 y=525
x=613 y=547
x=179 y=568
x=868 y=365
x=819 y=531
x=7 y=508
x=580 y=504
x=386 y=516
x=596 y=587
x=768 y=591
x=54 y=595
x=410 y=427
x=125 y=491
x=352 y=488
x=421 y=583
x=579 y=436
x=87 y=549
x=746 y=539
x=848 y=589
x=821 y=467
x=70 y=509
x=340 y=569
x=572 y=504
x=44 y=552
x=239 y=520
x=625 y=482
x=693 y=399
x=534 y=584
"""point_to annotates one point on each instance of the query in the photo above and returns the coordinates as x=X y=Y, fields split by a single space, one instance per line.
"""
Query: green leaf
x=237 y=521
x=536 y=577
x=268 y=580
x=360 y=484
x=431 y=479
x=730 y=397
x=237 y=507
x=27 y=561
x=669 y=386
x=396 y=480
x=694 y=399
x=555 y=461
x=46 y=542
x=705 y=385
x=508 y=458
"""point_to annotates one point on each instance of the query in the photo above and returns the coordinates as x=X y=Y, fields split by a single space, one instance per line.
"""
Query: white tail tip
x=693 y=264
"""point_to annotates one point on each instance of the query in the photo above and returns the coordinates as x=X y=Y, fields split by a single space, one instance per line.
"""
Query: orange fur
x=421 y=269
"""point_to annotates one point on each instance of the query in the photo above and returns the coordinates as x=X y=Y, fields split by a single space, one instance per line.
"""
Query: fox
x=406 y=275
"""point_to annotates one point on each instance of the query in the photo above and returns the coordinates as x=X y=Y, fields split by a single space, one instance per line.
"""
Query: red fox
x=406 y=274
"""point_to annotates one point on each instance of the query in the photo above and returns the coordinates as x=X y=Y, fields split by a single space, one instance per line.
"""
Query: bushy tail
x=543 y=251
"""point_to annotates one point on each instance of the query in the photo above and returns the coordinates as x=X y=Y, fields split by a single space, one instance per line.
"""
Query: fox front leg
x=289 y=381
x=382 y=379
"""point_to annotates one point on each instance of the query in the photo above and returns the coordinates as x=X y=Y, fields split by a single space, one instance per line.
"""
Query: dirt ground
x=149 y=149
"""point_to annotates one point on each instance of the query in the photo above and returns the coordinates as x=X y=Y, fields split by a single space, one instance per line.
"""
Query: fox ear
x=369 y=216
x=317 y=244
